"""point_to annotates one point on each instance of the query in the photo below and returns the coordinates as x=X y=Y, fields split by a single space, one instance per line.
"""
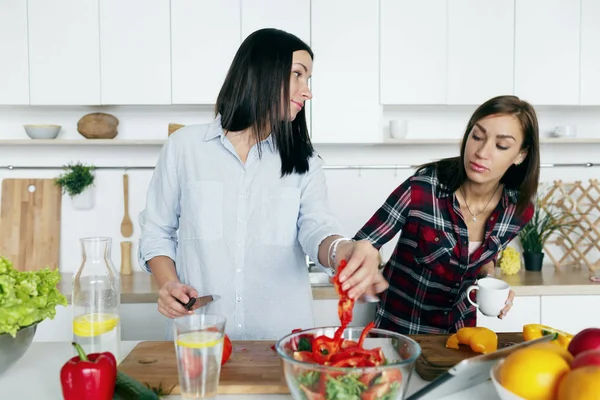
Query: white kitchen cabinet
x=590 y=52
x=135 y=49
x=547 y=51
x=345 y=82
x=14 y=71
x=480 y=50
x=525 y=310
x=64 y=63
x=200 y=62
x=571 y=313
x=290 y=16
x=413 y=52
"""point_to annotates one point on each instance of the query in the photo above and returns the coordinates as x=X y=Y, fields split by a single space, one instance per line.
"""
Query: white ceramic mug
x=564 y=131
x=491 y=295
x=398 y=128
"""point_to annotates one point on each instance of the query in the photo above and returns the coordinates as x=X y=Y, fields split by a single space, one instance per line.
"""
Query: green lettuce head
x=27 y=297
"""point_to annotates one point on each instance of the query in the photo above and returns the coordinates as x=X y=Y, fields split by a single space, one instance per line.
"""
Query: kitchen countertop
x=43 y=360
x=141 y=288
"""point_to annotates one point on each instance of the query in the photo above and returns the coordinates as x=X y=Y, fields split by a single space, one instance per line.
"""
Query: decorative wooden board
x=253 y=368
x=436 y=358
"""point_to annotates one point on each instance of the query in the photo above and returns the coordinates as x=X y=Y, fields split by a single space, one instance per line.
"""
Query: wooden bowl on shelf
x=98 y=126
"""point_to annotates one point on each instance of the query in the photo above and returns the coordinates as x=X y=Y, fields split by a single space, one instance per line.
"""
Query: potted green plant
x=547 y=220
x=78 y=183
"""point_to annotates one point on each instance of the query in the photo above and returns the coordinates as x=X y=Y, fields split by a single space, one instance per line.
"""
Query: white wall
x=345 y=186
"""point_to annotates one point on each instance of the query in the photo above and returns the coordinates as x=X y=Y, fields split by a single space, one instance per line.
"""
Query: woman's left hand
x=509 y=304
x=362 y=269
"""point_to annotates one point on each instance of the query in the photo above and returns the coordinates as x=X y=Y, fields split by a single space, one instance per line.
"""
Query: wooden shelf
x=159 y=142
x=80 y=142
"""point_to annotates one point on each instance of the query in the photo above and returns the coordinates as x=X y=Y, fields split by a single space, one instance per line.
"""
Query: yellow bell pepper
x=480 y=339
x=536 y=331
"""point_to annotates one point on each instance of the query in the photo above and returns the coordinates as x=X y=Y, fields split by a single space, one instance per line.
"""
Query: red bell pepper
x=91 y=377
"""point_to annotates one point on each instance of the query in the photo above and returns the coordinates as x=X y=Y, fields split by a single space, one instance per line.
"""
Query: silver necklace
x=474 y=216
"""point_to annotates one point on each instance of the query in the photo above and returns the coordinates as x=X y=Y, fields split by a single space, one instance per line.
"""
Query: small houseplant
x=77 y=182
x=547 y=220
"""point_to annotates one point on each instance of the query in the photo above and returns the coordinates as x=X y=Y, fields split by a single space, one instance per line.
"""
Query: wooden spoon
x=126 y=225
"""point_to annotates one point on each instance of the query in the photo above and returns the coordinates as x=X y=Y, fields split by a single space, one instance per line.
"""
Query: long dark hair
x=523 y=177
x=251 y=96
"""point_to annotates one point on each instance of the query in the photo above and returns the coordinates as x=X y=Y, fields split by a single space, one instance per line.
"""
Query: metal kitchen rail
x=357 y=167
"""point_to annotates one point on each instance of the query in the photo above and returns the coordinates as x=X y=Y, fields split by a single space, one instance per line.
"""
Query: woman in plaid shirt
x=455 y=215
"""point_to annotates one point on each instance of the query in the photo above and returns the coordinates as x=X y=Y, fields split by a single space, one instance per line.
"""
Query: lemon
x=94 y=324
x=199 y=340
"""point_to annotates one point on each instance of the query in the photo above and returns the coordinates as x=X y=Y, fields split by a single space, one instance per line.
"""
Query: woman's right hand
x=167 y=295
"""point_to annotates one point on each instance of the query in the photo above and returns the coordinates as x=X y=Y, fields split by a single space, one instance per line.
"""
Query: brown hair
x=523 y=177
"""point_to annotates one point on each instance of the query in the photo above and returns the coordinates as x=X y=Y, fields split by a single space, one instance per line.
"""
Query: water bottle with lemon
x=96 y=297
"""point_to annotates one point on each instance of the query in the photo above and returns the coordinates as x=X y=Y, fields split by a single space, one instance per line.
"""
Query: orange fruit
x=581 y=384
x=533 y=373
x=552 y=347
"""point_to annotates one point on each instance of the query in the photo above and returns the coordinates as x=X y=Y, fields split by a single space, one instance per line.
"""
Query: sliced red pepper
x=364 y=333
x=350 y=362
x=323 y=348
x=304 y=356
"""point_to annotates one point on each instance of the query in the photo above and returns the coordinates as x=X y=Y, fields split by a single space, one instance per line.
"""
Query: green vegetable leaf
x=309 y=379
x=304 y=344
x=27 y=297
x=345 y=387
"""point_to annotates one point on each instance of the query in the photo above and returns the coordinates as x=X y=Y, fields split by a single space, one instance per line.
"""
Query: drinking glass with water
x=199 y=345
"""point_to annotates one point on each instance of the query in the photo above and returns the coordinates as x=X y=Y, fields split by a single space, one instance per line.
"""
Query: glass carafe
x=96 y=297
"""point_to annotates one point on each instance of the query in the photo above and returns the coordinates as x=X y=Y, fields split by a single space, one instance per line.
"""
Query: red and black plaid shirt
x=430 y=268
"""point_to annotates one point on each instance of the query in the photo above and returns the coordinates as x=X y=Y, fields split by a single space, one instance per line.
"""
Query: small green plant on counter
x=77 y=178
x=547 y=221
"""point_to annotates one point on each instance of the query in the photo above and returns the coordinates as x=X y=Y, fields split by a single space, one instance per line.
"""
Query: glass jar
x=96 y=297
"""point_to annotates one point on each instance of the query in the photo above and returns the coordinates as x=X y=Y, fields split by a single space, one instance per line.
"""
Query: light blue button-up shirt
x=237 y=230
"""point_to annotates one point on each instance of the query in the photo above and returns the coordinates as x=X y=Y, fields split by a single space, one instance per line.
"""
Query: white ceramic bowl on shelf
x=42 y=131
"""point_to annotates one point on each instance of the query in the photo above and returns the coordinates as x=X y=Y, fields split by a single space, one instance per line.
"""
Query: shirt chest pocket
x=434 y=247
x=279 y=216
x=202 y=210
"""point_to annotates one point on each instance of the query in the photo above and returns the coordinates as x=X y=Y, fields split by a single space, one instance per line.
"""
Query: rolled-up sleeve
x=159 y=220
x=315 y=220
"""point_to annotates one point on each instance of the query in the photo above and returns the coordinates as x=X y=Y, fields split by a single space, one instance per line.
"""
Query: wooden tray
x=436 y=358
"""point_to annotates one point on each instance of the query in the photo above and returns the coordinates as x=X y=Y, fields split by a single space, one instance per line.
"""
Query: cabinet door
x=200 y=62
x=290 y=16
x=590 y=52
x=345 y=82
x=135 y=44
x=14 y=72
x=525 y=310
x=547 y=51
x=480 y=50
x=413 y=51
x=64 y=64
x=571 y=313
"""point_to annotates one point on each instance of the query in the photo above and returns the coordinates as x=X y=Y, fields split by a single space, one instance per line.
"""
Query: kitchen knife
x=202 y=301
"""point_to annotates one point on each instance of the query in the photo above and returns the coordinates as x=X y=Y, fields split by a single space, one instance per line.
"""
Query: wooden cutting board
x=436 y=358
x=253 y=368
x=30 y=223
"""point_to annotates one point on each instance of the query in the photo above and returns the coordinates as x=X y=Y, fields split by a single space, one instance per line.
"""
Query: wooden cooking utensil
x=126 y=258
x=126 y=224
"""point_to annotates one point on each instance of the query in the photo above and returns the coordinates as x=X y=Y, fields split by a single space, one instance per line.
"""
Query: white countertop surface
x=36 y=376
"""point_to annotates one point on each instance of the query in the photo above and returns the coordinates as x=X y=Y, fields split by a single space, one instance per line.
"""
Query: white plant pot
x=84 y=200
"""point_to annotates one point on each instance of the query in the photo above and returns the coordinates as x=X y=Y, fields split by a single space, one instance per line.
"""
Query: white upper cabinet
x=290 y=16
x=205 y=37
x=590 y=52
x=14 y=70
x=413 y=51
x=345 y=83
x=63 y=52
x=480 y=50
x=135 y=49
x=547 y=51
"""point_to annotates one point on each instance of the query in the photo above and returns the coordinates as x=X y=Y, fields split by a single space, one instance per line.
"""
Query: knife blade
x=201 y=301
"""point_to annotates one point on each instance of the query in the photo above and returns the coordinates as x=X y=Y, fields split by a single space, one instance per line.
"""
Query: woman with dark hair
x=246 y=195
x=455 y=215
